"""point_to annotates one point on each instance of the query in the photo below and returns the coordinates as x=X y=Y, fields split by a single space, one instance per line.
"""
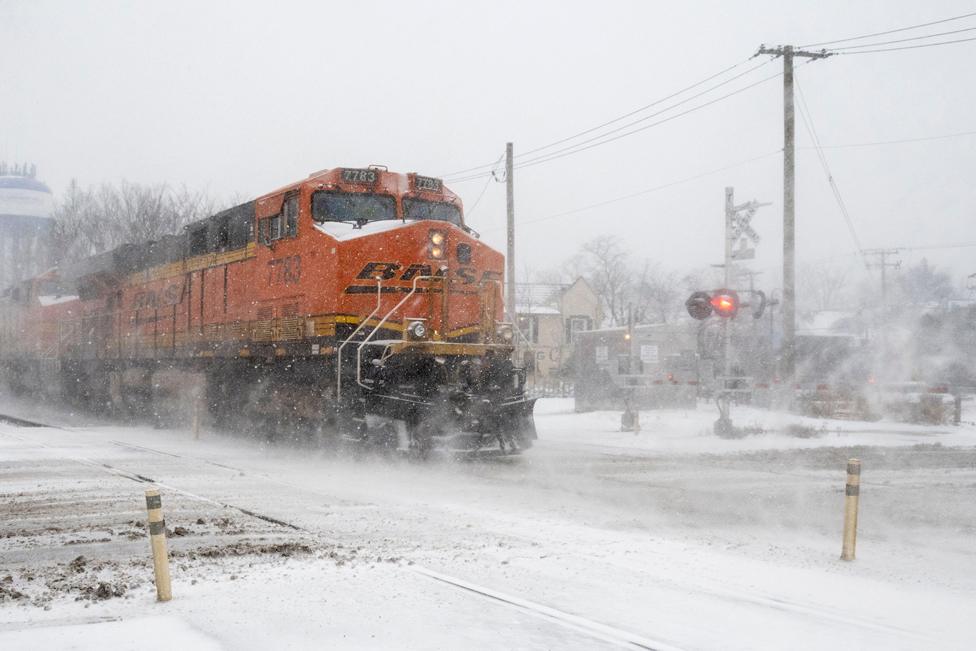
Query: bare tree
x=657 y=294
x=924 y=283
x=606 y=265
x=822 y=286
x=90 y=221
x=75 y=215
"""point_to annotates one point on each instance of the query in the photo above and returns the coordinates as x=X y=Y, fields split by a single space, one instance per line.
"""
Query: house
x=549 y=318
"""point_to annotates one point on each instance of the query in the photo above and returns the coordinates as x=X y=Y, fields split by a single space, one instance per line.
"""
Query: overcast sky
x=240 y=98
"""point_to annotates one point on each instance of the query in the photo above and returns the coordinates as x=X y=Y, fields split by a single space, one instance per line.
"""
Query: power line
x=602 y=138
x=857 y=254
x=808 y=123
x=625 y=115
x=652 y=104
x=575 y=149
x=963 y=245
x=468 y=212
x=899 y=40
x=909 y=47
x=656 y=188
x=899 y=142
x=890 y=31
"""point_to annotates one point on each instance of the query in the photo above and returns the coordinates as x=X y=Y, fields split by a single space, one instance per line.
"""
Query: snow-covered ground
x=670 y=538
x=690 y=431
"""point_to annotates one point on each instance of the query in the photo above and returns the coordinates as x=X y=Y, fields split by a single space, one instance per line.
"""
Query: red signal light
x=725 y=302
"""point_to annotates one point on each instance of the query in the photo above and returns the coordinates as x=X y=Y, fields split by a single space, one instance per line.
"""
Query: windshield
x=437 y=210
x=358 y=207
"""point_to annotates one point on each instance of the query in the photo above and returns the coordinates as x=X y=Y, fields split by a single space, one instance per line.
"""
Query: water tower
x=26 y=205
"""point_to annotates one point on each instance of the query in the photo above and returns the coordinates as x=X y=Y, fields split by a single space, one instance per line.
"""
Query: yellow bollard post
x=157 y=539
x=851 y=495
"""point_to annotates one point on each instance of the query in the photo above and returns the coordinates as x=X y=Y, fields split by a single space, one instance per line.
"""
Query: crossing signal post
x=725 y=304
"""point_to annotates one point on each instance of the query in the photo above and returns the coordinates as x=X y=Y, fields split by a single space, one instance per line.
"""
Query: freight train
x=355 y=304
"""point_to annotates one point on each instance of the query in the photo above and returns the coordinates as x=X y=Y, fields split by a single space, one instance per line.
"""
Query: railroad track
x=143 y=479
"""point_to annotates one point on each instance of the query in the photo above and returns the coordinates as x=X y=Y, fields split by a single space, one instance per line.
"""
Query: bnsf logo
x=393 y=270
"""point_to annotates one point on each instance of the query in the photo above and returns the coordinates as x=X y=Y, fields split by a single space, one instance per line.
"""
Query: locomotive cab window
x=357 y=208
x=290 y=212
x=434 y=210
x=282 y=225
x=270 y=229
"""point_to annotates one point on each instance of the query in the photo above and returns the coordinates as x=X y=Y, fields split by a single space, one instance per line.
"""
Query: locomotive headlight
x=436 y=241
x=506 y=333
x=417 y=329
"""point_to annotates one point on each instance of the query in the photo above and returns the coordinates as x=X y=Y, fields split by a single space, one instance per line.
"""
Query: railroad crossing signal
x=699 y=305
x=741 y=233
x=741 y=218
x=724 y=303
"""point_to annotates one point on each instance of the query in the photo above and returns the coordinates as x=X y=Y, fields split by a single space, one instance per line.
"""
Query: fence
x=550 y=388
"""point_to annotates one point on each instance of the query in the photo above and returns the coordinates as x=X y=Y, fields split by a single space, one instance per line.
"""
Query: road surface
x=593 y=539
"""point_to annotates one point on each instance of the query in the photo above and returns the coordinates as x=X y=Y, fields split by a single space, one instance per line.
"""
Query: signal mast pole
x=789 y=217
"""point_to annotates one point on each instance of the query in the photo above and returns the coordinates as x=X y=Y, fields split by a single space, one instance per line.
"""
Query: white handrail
x=359 y=351
x=379 y=297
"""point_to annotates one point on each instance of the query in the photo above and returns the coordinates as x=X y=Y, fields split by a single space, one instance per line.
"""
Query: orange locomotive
x=355 y=303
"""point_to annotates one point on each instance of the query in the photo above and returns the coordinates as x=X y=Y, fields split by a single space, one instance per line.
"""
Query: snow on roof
x=536 y=294
x=535 y=309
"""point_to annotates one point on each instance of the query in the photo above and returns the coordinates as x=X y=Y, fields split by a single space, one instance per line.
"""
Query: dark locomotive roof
x=227 y=230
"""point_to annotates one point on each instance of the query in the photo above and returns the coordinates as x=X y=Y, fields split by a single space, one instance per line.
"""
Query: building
x=646 y=366
x=550 y=318
x=26 y=205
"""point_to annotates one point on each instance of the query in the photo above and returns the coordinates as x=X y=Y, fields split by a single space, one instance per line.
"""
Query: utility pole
x=789 y=218
x=510 y=258
x=883 y=264
x=726 y=327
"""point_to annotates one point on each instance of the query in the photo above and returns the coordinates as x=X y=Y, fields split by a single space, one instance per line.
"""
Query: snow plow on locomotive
x=355 y=305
